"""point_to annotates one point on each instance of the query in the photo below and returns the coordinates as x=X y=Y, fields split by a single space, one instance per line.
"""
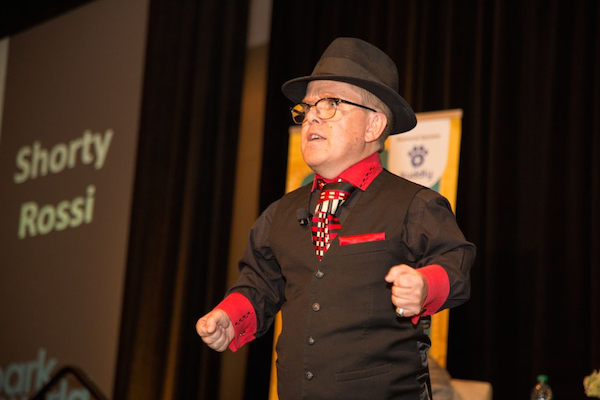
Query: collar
x=360 y=174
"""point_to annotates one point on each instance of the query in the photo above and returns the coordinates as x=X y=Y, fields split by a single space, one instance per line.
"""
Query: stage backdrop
x=428 y=155
x=67 y=150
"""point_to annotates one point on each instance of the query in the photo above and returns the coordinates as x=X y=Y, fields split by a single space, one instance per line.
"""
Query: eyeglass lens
x=325 y=110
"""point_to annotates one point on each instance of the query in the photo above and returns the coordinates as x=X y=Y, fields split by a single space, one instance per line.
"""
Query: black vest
x=341 y=338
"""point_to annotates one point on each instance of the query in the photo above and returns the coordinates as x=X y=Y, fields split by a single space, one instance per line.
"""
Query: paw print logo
x=417 y=156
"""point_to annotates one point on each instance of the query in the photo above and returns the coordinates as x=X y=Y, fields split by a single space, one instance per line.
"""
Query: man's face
x=331 y=146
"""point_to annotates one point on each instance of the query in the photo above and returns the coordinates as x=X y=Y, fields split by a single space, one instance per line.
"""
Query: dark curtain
x=527 y=76
x=182 y=198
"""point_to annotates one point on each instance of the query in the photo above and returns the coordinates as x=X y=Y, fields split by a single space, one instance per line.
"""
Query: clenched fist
x=409 y=289
x=216 y=330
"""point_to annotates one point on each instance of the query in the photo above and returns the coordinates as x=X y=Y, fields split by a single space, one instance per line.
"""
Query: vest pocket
x=366 y=247
x=365 y=373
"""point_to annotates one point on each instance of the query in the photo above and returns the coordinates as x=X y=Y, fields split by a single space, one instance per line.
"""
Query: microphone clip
x=303 y=216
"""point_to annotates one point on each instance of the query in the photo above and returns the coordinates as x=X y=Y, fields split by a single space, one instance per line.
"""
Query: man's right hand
x=216 y=330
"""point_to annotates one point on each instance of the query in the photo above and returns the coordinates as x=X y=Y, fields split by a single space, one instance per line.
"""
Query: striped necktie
x=325 y=223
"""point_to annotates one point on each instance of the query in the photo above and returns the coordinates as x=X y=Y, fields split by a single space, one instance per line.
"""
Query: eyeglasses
x=326 y=108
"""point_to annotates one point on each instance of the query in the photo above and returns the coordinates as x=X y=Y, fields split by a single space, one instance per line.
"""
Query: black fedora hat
x=359 y=63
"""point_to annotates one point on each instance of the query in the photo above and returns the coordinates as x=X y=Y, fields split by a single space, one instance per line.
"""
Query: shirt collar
x=360 y=174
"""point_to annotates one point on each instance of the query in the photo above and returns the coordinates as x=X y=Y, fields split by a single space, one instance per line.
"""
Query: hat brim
x=404 y=117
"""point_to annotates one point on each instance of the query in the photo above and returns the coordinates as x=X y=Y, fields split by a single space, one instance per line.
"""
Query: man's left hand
x=409 y=289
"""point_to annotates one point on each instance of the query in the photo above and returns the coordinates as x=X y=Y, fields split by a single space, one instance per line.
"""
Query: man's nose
x=312 y=116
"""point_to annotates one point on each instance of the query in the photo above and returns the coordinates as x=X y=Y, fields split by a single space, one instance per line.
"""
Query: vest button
x=310 y=340
x=309 y=375
x=316 y=306
x=319 y=274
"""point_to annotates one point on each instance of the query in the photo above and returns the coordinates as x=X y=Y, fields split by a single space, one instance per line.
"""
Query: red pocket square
x=366 y=237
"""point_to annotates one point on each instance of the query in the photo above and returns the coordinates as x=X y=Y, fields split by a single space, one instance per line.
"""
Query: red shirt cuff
x=242 y=316
x=438 y=289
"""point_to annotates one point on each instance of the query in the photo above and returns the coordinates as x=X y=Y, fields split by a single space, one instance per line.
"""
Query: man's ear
x=376 y=125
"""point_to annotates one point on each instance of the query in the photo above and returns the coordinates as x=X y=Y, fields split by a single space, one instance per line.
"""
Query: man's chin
x=312 y=159
x=315 y=166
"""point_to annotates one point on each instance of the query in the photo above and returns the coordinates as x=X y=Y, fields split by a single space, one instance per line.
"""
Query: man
x=353 y=265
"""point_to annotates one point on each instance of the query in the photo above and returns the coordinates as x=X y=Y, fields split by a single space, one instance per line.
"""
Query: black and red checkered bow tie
x=325 y=223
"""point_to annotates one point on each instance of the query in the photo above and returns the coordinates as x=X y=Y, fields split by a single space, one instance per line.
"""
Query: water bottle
x=541 y=391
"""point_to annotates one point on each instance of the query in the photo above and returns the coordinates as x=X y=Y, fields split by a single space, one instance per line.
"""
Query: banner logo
x=417 y=156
